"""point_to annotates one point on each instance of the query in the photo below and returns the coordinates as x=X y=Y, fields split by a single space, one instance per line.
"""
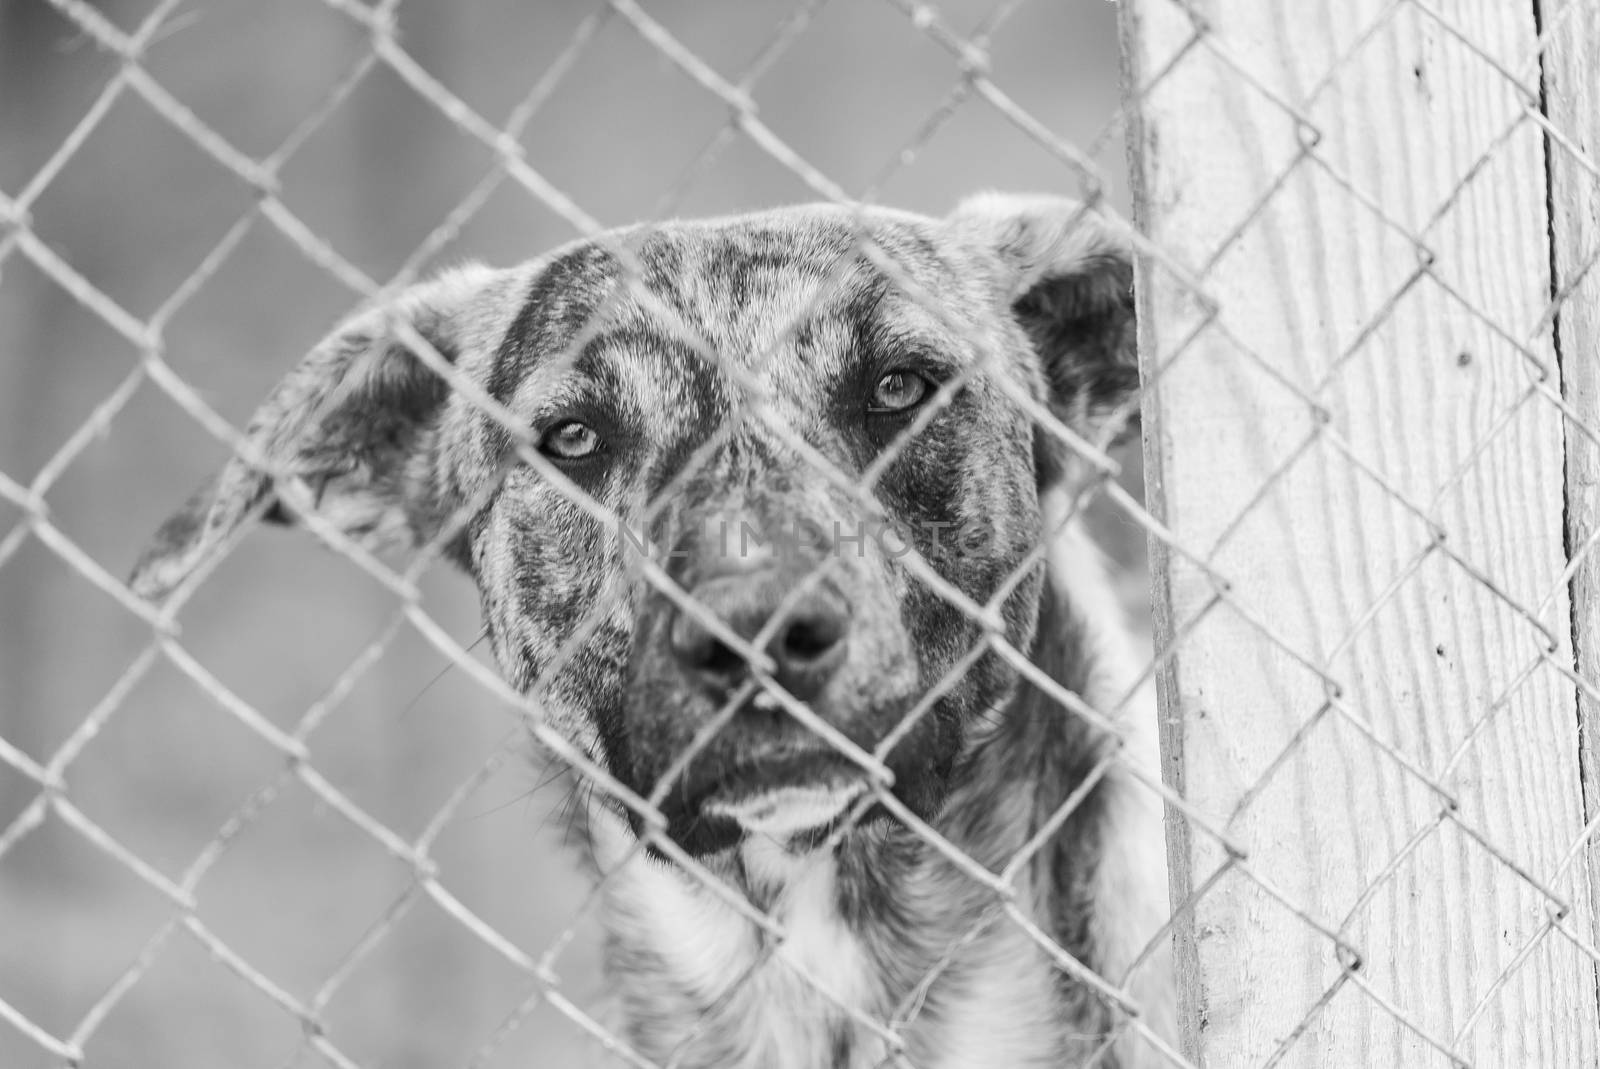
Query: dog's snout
x=807 y=647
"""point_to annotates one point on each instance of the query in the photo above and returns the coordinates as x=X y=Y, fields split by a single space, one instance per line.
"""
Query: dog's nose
x=807 y=647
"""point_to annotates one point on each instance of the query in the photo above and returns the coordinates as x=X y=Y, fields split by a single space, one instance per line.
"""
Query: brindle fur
x=1030 y=285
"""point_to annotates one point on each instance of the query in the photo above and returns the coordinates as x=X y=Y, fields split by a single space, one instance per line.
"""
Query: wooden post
x=1367 y=692
x=1572 y=103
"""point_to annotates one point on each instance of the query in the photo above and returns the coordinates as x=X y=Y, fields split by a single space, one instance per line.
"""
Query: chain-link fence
x=1370 y=427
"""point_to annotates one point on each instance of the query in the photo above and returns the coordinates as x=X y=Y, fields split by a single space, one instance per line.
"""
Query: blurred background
x=136 y=209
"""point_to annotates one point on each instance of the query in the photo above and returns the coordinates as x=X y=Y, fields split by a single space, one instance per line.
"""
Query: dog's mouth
x=795 y=799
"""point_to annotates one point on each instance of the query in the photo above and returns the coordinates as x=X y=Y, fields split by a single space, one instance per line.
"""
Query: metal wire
x=975 y=86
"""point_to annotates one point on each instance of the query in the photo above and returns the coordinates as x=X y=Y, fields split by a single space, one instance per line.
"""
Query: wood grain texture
x=1375 y=710
x=1572 y=104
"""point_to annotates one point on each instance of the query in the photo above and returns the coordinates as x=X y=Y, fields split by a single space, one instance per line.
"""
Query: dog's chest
x=700 y=987
x=984 y=1003
x=703 y=985
x=817 y=997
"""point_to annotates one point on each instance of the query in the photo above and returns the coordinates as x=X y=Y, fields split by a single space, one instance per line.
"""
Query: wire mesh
x=540 y=986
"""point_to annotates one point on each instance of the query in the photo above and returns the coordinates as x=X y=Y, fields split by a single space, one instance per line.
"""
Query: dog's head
x=773 y=460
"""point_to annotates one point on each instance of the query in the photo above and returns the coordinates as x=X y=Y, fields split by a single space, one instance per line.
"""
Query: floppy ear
x=357 y=420
x=1069 y=277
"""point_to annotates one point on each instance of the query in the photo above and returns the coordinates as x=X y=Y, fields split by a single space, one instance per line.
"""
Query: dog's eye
x=898 y=391
x=570 y=441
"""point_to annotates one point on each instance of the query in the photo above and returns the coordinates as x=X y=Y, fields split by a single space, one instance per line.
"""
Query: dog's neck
x=886 y=927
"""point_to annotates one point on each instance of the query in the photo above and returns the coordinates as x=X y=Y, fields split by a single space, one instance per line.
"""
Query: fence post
x=1571 y=72
x=1353 y=441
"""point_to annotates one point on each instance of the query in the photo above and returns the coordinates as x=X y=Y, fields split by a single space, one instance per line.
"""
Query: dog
x=757 y=507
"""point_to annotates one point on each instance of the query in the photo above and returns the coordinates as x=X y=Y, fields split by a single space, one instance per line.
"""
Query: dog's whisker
x=406 y=709
x=551 y=775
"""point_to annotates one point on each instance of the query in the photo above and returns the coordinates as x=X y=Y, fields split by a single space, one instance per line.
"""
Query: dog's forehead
x=655 y=315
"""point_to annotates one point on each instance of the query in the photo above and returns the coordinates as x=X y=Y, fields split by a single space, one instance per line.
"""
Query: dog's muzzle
x=763 y=772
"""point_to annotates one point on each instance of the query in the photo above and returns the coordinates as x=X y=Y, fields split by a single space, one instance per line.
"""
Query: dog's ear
x=355 y=421
x=1068 y=275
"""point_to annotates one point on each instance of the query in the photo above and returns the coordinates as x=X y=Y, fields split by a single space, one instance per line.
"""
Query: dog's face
x=775 y=460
